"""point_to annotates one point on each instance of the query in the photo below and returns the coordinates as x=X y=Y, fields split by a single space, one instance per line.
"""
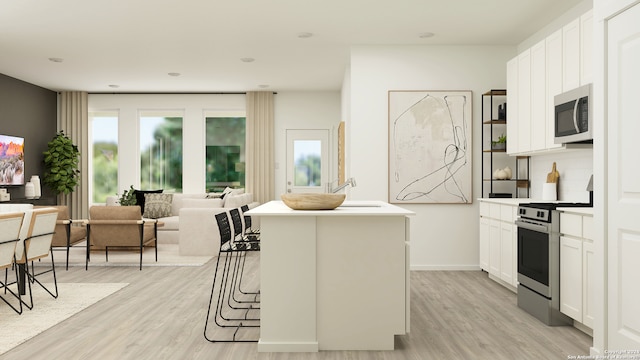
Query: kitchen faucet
x=350 y=181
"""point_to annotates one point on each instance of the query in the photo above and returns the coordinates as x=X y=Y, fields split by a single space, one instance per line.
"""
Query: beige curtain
x=74 y=121
x=260 y=157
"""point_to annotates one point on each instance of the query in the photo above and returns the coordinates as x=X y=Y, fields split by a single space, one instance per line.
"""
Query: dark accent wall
x=28 y=111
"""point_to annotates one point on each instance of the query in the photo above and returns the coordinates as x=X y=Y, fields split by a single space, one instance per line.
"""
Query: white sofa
x=192 y=223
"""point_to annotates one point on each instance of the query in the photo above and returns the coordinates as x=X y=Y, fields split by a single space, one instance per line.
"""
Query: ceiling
x=133 y=45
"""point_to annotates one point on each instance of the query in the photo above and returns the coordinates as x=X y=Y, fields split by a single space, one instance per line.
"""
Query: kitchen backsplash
x=575 y=167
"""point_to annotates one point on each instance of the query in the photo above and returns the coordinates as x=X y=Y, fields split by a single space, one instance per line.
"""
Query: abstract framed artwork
x=430 y=147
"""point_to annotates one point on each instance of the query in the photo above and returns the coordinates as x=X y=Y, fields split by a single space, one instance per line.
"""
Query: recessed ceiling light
x=263 y=86
x=56 y=60
x=114 y=86
x=305 y=35
x=247 y=59
x=173 y=74
x=425 y=35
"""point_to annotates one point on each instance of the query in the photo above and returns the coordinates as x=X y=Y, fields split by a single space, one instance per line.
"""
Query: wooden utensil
x=553 y=176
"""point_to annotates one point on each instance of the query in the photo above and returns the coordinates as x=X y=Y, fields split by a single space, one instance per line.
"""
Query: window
x=104 y=160
x=161 y=151
x=307 y=155
x=225 y=152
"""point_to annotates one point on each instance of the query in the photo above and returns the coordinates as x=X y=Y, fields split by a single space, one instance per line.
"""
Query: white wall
x=304 y=110
x=442 y=236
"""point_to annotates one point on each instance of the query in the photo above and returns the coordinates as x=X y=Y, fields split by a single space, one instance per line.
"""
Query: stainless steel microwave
x=573 y=116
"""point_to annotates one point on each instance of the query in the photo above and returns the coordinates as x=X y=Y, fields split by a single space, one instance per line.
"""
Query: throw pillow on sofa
x=140 y=196
x=157 y=205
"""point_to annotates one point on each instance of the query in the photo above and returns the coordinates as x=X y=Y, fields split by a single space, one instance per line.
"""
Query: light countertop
x=348 y=208
x=577 y=210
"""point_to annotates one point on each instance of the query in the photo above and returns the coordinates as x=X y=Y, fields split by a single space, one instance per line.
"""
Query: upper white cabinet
x=538 y=121
x=560 y=62
x=524 y=100
x=586 y=48
x=512 y=100
x=571 y=55
x=553 y=70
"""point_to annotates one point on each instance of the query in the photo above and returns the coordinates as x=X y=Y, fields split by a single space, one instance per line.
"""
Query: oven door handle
x=531 y=226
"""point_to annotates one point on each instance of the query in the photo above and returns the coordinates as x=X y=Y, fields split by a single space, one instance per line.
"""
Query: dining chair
x=10 y=224
x=229 y=250
x=36 y=245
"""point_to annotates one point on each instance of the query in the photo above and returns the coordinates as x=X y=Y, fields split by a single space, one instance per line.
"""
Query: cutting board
x=554 y=175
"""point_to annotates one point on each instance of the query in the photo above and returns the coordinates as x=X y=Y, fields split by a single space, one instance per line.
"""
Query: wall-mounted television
x=11 y=160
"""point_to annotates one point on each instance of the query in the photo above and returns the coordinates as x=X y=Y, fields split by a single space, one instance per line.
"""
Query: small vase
x=37 y=191
x=507 y=170
x=29 y=190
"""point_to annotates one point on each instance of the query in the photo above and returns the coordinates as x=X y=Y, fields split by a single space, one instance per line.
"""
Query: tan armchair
x=69 y=232
x=121 y=227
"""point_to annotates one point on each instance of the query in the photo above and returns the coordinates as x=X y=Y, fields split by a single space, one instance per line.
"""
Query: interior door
x=307 y=161
x=623 y=201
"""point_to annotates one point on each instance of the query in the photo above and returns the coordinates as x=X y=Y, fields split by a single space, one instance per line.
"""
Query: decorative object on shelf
x=502 y=111
x=29 y=191
x=313 y=201
x=4 y=195
x=430 y=146
x=500 y=144
x=61 y=161
x=37 y=190
x=509 y=172
x=502 y=174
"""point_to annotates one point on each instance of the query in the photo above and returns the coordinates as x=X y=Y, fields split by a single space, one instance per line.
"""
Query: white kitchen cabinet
x=553 y=54
x=588 y=294
x=524 y=101
x=512 y=101
x=576 y=267
x=484 y=243
x=538 y=125
x=571 y=277
x=498 y=241
x=586 y=48
x=571 y=55
x=561 y=62
x=507 y=246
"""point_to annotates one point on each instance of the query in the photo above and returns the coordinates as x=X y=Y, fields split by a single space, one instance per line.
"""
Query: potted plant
x=128 y=197
x=500 y=144
x=61 y=161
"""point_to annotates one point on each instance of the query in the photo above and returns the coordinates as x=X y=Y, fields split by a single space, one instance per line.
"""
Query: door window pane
x=307 y=155
x=161 y=152
x=225 y=153
x=104 y=162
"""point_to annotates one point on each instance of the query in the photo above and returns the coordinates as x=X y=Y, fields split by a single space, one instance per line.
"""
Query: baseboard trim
x=444 y=268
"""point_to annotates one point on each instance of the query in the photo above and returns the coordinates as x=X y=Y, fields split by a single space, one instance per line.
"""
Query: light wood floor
x=160 y=315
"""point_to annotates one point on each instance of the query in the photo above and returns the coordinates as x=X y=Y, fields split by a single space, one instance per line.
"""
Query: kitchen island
x=333 y=279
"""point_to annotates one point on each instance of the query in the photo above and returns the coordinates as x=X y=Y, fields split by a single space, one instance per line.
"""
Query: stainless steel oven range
x=539 y=261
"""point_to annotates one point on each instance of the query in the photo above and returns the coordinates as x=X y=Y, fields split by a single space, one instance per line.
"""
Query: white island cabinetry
x=333 y=279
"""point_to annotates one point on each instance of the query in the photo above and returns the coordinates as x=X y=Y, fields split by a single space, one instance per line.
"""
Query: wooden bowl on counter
x=313 y=201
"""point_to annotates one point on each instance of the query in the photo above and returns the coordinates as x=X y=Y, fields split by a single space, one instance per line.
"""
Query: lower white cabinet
x=498 y=239
x=576 y=267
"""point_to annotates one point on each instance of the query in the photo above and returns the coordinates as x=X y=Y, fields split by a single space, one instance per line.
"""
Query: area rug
x=168 y=255
x=47 y=312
